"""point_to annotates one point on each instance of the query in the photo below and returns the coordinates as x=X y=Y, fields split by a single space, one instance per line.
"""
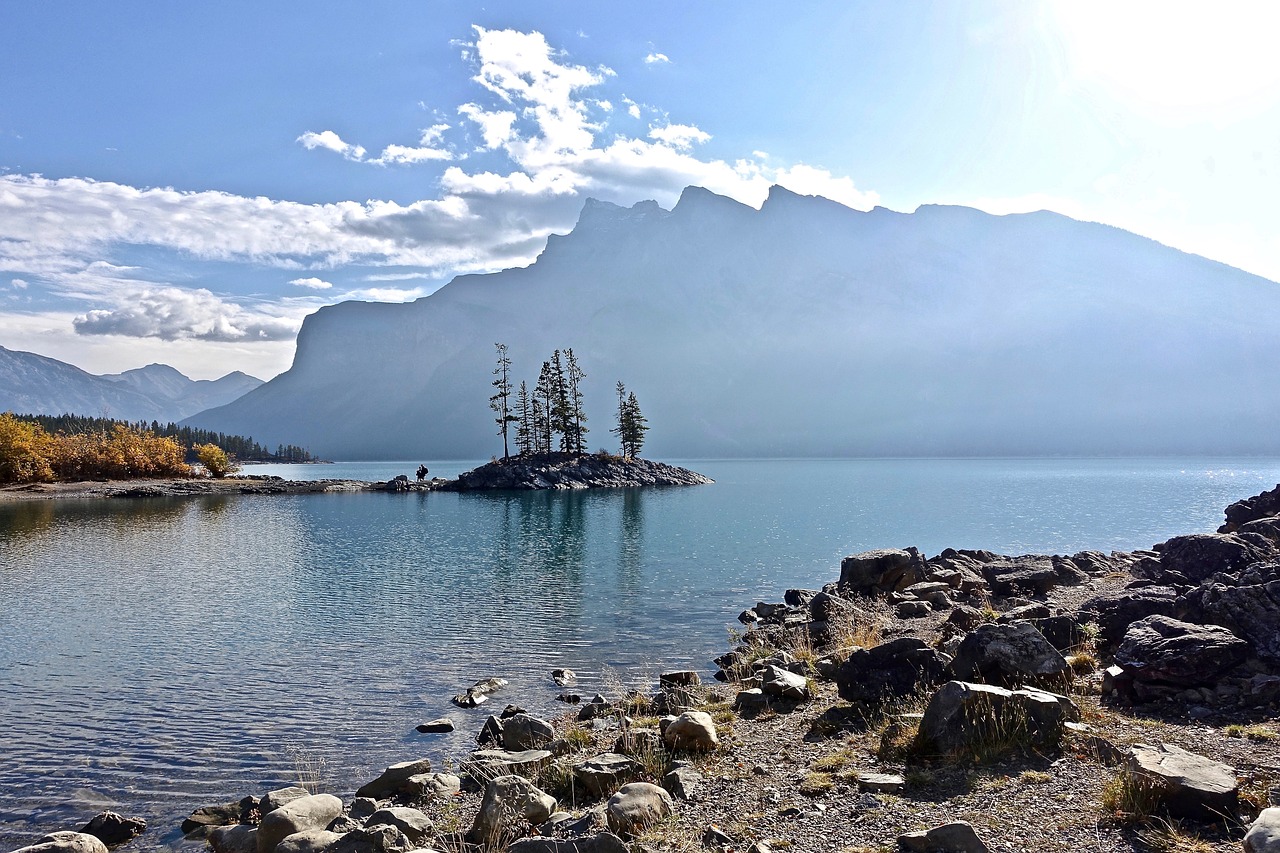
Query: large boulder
x=601 y=842
x=1264 y=833
x=1250 y=612
x=1259 y=506
x=510 y=805
x=1010 y=654
x=1162 y=650
x=66 y=842
x=636 y=807
x=1189 y=785
x=982 y=718
x=1198 y=556
x=426 y=786
x=521 y=732
x=486 y=764
x=885 y=570
x=223 y=814
x=692 y=731
x=373 y=839
x=113 y=829
x=314 y=811
x=391 y=781
x=273 y=800
x=777 y=681
x=1114 y=612
x=890 y=670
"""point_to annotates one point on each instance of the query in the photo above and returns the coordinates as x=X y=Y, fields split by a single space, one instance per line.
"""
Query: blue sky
x=184 y=183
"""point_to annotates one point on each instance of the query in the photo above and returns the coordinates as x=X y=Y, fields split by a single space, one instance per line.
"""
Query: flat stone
x=1190 y=785
x=881 y=783
x=486 y=764
x=412 y=822
x=957 y=837
x=603 y=774
x=66 y=842
x=437 y=726
x=392 y=780
x=309 y=841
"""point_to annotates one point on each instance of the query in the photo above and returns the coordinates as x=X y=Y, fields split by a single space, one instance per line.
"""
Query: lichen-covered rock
x=1198 y=556
x=1251 y=612
x=373 y=839
x=1114 y=612
x=781 y=682
x=240 y=838
x=223 y=814
x=273 y=800
x=603 y=774
x=1013 y=575
x=601 y=842
x=510 y=805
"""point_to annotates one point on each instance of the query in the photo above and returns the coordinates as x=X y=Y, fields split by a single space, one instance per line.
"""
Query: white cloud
x=174 y=313
x=386 y=294
x=425 y=150
x=810 y=180
x=311 y=283
x=496 y=126
x=656 y=59
x=329 y=140
x=679 y=135
x=18 y=284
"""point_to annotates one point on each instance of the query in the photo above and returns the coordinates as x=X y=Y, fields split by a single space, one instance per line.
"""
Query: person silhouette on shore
x=422 y=473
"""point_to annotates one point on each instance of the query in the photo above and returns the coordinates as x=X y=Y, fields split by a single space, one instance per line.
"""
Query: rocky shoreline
x=968 y=702
x=545 y=471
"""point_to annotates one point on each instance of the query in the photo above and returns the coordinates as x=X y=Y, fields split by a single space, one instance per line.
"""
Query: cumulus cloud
x=18 y=284
x=656 y=59
x=426 y=149
x=496 y=126
x=330 y=141
x=311 y=283
x=680 y=136
x=174 y=313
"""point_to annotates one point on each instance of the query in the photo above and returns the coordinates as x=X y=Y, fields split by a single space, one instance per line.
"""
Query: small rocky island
x=572 y=471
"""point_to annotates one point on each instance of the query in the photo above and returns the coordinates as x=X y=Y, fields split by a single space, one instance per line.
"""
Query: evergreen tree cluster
x=237 y=446
x=551 y=416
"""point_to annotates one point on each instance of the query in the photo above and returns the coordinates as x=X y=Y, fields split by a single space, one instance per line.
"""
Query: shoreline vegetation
x=969 y=702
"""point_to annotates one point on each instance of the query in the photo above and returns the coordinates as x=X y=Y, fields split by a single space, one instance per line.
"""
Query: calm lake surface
x=157 y=655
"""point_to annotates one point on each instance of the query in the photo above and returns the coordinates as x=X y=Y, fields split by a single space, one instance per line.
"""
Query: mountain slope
x=35 y=384
x=809 y=329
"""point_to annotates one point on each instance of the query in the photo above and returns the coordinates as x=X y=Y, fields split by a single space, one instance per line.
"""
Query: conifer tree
x=543 y=400
x=526 y=429
x=620 y=417
x=561 y=413
x=499 y=402
x=576 y=416
x=632 y=426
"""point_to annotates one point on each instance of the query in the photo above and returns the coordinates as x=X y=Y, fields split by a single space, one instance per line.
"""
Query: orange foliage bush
x=28 y=454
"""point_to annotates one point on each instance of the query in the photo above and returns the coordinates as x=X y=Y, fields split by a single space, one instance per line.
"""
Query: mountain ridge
x=35 y=384
x=806 y=328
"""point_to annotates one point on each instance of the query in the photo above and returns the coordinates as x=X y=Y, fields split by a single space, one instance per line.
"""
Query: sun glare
x=1181 y=61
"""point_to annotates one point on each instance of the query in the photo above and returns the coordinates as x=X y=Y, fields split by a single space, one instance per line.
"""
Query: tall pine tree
x=500 y=401
x=576 y=416
x=526 y=428
x=543 y=403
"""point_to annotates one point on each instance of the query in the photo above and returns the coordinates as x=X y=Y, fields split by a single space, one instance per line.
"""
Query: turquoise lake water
x=157 y=655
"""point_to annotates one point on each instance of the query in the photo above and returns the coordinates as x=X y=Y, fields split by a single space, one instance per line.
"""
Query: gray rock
x=341 y=825
x=1251 y=612
x=1007 y=654
x=564 y=677
x=885 y=570
x=313 y=811
x=603 y=774
x=957 y=837
x=224 y=814
x=890 y=670
x=750 y=702
x=273 y=800
x=682 y=782
x=491 y=732
x=881 y=783
x=1264 y=833
x=679 y=678
x=1025 y=613
x=437 y=726
x=1200 y=555
x=639 y=741
x=692 y=731
x=373 y=839
x=636 y=807
x=1165 y=650
x=1011 y=575
x=964 y=717
x=522 y=732
x=113 y=829
x=486 y=764
x=412 y=822
x=913 y=609
x=362 y=807
x=601 y=842
x=240 y=838
x=392 y=780
x=1189 y=785
x=478 y=693
x=310 y=841
x=430 y=785
x=1113 y=613
x=66 y=842
x=784 y=683
x=510 y=804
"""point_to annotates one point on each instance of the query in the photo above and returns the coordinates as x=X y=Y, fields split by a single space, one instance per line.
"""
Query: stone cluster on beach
x=860 y=716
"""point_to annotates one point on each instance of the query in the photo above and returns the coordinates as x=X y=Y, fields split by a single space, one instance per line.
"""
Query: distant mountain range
x=809 y=329
x=35 y=384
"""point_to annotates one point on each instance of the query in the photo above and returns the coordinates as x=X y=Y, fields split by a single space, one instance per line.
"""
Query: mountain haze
x=806 y=328
x=36 y=384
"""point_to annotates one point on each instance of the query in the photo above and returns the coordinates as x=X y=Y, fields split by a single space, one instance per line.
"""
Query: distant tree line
x=551 y=416
x=236 y=446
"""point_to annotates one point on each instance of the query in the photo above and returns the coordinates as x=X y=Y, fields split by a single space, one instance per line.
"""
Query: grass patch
x=1131 y=797
x=1034 y=777
x=1257 y=734
x=833 y=761
x=1163 y=835
x=816 y=784
x=1082 y=663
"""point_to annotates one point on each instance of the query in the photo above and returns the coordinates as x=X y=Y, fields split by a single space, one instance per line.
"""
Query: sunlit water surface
x=157 y=655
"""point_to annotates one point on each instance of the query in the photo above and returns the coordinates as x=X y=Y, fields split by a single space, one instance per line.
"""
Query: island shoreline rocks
x=967 y=701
